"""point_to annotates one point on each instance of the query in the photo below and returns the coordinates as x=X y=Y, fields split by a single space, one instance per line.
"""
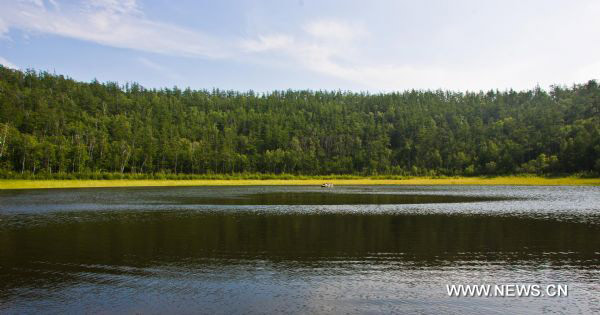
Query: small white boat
x=327 y=185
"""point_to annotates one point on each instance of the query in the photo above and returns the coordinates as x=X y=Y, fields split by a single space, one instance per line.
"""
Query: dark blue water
x=302 y=250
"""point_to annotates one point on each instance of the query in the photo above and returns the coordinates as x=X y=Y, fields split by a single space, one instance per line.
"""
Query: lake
x=277 y=249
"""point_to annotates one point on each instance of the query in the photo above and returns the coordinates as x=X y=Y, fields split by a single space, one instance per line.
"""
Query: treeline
x=50 y=124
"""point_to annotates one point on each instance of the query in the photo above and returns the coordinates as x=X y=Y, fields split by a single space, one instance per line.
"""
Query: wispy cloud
x=109 y=22
x=511 y=51
x=325 y=46
x=336 y=48
x=332 y=47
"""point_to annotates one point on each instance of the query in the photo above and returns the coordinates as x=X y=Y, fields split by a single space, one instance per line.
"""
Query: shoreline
x=417 y=181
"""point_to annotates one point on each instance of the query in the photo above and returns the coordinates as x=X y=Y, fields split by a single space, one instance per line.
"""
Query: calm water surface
x=361 y=249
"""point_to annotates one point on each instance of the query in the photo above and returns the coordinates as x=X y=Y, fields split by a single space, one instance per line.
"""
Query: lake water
x=356 y=249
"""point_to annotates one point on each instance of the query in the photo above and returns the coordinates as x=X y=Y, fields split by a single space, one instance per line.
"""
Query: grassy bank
x=529 y=181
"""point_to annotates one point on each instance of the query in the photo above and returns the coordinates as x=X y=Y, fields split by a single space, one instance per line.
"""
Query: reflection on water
x=270 y=249
x=328 y=198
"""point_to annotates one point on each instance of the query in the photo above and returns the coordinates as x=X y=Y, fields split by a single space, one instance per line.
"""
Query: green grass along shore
x=503 y=180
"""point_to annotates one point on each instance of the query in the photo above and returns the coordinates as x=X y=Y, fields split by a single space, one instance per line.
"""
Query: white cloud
x=112 y=23
x=7 y=63
x=481 y=48
x=324 y=46
x=331 y=47
x=480 y=60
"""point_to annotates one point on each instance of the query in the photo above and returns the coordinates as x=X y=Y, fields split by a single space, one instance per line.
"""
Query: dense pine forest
x=51 y=124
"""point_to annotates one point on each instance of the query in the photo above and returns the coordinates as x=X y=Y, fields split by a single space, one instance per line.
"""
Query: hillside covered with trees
x=50 y=124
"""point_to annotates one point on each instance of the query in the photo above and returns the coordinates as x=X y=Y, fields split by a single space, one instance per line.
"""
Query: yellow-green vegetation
x=512 y=180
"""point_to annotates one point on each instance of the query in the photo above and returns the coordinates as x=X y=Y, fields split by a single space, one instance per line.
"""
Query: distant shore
x=508 y=180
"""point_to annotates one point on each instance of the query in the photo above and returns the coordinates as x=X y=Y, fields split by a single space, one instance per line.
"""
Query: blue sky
x=301 y=44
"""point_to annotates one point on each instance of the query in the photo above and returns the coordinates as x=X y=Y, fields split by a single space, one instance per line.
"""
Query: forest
x=51 y=124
